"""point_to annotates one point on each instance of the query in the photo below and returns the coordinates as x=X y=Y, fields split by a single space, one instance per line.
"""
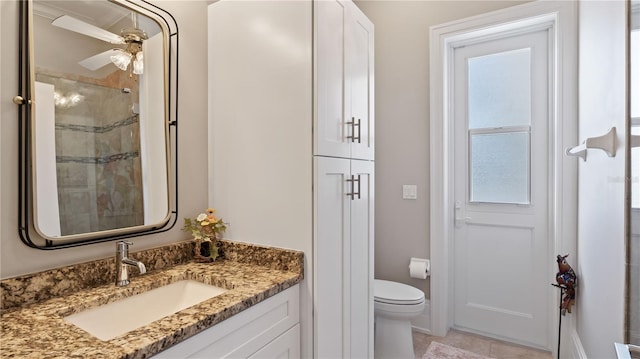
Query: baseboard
x=422 y=323
x=575 y=347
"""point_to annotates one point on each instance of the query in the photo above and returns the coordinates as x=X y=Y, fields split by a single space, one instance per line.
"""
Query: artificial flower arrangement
x=205 y=229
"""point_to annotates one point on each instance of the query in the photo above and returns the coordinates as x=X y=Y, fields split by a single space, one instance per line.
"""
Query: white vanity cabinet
x=269 y=329
x=290 y=88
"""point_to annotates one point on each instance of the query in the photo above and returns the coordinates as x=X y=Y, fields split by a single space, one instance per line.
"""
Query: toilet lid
x=385 y=291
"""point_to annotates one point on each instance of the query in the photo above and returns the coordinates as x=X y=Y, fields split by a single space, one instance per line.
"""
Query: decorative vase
x=205 y=251
x=198 y=250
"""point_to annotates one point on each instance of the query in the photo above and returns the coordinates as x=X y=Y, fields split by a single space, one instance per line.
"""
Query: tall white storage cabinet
x=291 y=152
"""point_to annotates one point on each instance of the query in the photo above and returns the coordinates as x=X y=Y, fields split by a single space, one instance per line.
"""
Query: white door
x=343 y=305
x=501 y=260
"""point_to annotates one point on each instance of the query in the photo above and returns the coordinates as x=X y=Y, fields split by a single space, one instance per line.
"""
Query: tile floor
x=478 y=344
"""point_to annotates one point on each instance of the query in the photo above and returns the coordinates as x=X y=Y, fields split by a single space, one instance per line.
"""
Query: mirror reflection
x=100 y=119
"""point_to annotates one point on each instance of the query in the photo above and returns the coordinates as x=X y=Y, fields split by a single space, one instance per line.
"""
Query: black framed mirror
x=98 y=121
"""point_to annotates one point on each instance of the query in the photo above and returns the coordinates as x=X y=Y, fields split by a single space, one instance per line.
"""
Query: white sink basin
x=111 y=320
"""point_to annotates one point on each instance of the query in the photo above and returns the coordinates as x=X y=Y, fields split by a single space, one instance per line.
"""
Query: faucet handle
x=123 y=246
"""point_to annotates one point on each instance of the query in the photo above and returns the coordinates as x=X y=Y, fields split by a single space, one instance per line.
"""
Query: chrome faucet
x=122 y=261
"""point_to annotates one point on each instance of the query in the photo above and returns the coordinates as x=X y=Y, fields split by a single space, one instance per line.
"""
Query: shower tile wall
x=98 y=157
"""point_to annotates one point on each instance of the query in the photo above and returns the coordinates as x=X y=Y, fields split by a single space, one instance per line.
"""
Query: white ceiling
x=103 y=14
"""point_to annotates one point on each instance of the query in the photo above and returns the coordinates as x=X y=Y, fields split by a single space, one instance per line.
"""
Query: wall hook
x=606 y=142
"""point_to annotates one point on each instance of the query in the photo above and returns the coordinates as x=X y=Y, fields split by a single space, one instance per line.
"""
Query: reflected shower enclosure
x=98 y=172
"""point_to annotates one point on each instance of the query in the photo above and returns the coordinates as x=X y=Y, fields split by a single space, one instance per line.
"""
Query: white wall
x=15 y=257
x=2 y=110
x=243 y=89
x=260 y=166
x=601 y=246
x=402 y=124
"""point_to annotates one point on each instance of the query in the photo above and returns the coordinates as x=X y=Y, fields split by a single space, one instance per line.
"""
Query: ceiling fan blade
x=70 y=23
x=100 y=60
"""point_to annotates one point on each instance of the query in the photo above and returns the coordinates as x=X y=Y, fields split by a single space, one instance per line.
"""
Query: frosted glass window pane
x=500 y=168
x=500 y=89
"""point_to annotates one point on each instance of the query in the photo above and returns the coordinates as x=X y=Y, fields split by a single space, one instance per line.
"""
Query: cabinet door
x=331 y=244
x=330 y=127
x=343 y=258
x=344 y=121
x=359 y=83
x=361 y=267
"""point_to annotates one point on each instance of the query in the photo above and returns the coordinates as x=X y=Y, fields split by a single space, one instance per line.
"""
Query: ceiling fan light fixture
x=138 y=64
x=132 y=37
x=121 y=59
x=133 y=34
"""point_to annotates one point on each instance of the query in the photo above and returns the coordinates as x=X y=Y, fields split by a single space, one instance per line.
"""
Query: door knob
x=459 y=221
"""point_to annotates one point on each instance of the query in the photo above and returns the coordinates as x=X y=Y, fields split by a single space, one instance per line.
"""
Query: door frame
x=561 y=18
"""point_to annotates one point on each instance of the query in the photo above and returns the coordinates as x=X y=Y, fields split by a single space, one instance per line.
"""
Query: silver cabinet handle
x=353 y=124
x=353 y=192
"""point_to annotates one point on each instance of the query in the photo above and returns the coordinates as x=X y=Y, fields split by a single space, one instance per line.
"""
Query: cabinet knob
x=19 y=100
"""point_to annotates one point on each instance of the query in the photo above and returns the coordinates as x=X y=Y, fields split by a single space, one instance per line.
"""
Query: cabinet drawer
x=245 y=333
x=286 y=345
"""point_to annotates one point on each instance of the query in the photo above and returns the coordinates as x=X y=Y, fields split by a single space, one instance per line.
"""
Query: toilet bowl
x=395 y=304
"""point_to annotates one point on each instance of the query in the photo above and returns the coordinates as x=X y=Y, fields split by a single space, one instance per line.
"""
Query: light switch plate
x=409 y=191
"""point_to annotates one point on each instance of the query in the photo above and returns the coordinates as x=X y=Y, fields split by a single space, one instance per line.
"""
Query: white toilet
x=395 y=304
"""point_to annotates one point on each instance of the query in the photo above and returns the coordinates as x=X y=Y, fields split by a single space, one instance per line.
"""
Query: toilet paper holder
x=419 y=268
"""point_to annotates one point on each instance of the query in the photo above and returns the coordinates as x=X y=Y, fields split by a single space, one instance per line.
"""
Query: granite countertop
x=38 y=330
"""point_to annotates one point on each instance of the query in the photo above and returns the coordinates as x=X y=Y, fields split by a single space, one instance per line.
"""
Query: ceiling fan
x=132 y=37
